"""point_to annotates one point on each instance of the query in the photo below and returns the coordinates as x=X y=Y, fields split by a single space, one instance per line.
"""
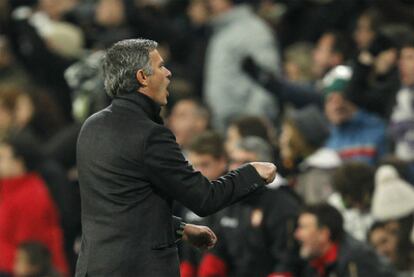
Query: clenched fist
x=266 y=170
x=200 y=237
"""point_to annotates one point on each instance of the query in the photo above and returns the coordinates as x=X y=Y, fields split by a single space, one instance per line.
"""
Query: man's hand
x=200 y=237
x=266 y=170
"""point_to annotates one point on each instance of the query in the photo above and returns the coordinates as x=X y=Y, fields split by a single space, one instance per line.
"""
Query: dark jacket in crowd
x=255 y=236
x=373 y=93
x=354 y=259
x=130 y=170
x=45 y=67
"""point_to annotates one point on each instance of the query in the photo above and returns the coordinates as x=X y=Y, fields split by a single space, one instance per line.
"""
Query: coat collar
x=326 y=261
x=136 y=100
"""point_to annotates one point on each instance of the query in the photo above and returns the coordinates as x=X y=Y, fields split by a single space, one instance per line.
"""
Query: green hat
x=337 y=79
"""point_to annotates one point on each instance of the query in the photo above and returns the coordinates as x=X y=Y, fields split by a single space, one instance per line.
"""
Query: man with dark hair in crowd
x=354 y=186
x=206 y=153
x=383 y=238
x=188 y=118
x=256 y=234
x=329 y=251
x=402 y=116
x=131 y=169
x=332 y=49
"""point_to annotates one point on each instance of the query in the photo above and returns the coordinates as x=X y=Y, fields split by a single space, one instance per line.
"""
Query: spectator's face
x=24 y=111
x=239 y=157
x=6 y=119
x=158 y=81
x=384 y=242
x=10 y=166
x=197 y=12
x=337 y=109
x=6 y=57
x=364 y=34
x=23 y=267
x=406 y=66
x=310 y=237
x=209 y=166
x=293 y=71
x=110 y=13
x=291 y=144
x=323 y=55
x=185 y=122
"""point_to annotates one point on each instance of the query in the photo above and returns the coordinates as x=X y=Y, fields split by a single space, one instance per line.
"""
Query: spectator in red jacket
x=27 y=211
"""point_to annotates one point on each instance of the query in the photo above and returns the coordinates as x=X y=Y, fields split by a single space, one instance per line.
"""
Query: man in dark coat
x=131 y=169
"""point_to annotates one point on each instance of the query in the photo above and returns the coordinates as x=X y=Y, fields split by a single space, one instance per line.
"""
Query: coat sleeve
x=169 y=172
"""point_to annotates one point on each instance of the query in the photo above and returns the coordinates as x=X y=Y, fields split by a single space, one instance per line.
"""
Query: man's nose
x=169 y=74
x=296 y=234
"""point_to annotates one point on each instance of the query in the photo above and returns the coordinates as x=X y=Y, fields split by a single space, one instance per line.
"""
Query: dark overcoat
x=130 y=170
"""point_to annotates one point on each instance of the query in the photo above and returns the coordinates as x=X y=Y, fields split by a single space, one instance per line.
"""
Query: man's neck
x=144 y=91
x=325 y=248
x=326 y=260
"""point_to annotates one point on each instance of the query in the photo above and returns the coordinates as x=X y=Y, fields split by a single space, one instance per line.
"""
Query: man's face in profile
x=309 y=236
x=159 y=80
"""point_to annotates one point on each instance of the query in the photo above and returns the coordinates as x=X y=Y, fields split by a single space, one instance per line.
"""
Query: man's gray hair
x=257 y=145
x=121 y=63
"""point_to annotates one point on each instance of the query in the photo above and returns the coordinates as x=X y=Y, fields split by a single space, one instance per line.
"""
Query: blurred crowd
x=322 y=88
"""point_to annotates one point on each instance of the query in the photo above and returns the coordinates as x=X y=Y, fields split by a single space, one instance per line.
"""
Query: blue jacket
x=362 y=138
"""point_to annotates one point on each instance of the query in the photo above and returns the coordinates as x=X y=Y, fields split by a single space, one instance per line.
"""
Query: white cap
x=393 y=197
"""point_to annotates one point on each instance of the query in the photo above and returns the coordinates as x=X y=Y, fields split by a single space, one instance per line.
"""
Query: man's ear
x=142 y=78
x=325 y=233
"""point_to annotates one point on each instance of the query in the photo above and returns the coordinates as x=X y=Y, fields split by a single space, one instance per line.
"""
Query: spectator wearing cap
x=301 y=146
x=393 y=204
x=355 y=134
